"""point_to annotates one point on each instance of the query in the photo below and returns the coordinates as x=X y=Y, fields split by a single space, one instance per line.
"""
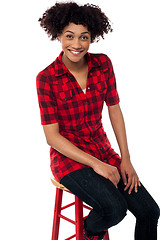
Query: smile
x=75 y=52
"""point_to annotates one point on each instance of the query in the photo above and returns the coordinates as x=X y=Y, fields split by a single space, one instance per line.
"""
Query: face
x=75 y=40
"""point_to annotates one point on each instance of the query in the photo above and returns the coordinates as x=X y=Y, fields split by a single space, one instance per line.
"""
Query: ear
x=59 y=37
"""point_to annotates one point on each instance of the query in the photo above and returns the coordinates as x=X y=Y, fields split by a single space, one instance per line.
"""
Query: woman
x=71 y=93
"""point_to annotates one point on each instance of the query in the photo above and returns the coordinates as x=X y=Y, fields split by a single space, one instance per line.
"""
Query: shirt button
x=87 y=114
x=92 y=127
x=87 y=102
x=88 y=87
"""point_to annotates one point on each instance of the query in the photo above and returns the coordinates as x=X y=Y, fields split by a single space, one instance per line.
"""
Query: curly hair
x=60 y=15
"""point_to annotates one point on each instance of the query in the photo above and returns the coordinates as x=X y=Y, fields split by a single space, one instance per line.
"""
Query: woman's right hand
x=108 y=171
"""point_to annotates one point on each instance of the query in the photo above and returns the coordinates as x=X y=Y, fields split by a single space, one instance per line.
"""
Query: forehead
x=75 y=28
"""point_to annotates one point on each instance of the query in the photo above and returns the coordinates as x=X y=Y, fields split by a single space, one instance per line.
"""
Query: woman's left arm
x=127 y=170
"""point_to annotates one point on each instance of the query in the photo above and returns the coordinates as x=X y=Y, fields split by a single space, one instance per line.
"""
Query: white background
x=27 y=194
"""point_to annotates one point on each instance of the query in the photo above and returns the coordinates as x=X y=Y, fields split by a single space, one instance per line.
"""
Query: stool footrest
x=87 y=207
x=67 y=219
x=69 y=205
x=70 y=237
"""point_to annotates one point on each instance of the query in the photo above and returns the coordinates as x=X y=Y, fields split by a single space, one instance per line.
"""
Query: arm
x=65 y=147
x=118 y=126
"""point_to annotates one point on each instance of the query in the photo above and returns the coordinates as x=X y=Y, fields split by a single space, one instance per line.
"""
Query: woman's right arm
x=65 y=147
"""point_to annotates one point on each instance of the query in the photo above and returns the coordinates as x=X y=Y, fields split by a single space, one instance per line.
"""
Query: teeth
x=74 y=52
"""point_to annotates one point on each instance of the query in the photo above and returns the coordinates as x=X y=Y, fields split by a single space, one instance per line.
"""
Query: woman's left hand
x=128 y=171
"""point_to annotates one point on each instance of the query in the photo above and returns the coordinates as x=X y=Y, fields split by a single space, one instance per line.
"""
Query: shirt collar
x=61 y=69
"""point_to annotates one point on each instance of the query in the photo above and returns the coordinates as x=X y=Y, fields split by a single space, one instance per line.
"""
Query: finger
x=136 y=186
x=132 y=186
x=117 y=176
x=129 y=183
x=124 y=178
x=139 y=183
x=114 y=181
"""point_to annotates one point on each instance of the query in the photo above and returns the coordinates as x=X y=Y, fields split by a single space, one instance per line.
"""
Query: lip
x=75 y=53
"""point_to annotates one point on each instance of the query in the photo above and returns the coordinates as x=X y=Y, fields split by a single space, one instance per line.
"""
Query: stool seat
x=79 y=218
x=57 y=184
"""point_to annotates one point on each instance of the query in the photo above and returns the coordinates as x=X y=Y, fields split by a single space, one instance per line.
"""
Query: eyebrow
x=73 y=32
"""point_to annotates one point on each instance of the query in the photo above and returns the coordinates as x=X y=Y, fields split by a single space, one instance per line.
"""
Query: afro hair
x=57 y=17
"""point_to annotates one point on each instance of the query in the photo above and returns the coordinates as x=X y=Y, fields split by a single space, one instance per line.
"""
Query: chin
x=75 y=60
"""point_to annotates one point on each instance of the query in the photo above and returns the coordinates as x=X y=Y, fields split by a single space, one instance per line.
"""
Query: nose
x=76 y=44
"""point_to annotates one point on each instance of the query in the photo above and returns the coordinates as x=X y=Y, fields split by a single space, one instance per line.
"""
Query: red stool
x=78 y=213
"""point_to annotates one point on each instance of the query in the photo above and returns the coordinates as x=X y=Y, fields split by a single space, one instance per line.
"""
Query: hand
x=107 y=171
x=133 y=180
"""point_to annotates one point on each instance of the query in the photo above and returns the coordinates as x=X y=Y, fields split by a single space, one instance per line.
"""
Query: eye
x=84 y=37
x=69 y=36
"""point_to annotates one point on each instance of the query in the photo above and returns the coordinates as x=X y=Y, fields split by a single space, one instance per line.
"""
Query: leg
x=145 y=209
x=79 y=216
x=109 y=206
x=57 y=211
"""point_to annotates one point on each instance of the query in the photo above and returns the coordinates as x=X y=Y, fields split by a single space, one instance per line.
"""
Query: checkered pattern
x=79 y=115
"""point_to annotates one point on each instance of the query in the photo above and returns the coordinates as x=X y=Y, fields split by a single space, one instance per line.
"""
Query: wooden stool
x=78 y=213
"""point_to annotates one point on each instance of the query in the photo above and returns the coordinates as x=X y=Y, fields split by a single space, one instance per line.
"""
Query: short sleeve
x=46 y=100
x=112 y=96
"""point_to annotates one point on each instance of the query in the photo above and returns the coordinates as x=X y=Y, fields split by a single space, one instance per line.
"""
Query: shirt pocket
x=65 y=95
x=101 y=86
x=63 y=90
x=100 y=81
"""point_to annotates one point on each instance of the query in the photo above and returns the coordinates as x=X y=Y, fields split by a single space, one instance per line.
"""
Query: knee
x=120 y=211
x=117 y=212
x=151 y=213
x=155 y=213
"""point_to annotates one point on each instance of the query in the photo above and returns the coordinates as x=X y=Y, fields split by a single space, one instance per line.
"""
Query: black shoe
x=88 y=236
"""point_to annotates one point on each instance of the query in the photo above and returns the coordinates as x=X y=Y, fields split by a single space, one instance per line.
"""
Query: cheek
x=65 y=43
x=86 y=44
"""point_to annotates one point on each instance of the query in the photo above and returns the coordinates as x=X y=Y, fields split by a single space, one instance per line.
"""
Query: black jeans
x=111 y=204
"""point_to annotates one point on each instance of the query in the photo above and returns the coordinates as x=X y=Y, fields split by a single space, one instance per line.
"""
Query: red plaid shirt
x=79 y=115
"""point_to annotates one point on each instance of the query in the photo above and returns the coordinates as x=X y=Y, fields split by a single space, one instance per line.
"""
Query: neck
x=74 y=66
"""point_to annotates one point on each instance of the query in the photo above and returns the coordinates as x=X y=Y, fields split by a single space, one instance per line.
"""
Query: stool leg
x=57 y=211
x=106 y=237
x=79 y=218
